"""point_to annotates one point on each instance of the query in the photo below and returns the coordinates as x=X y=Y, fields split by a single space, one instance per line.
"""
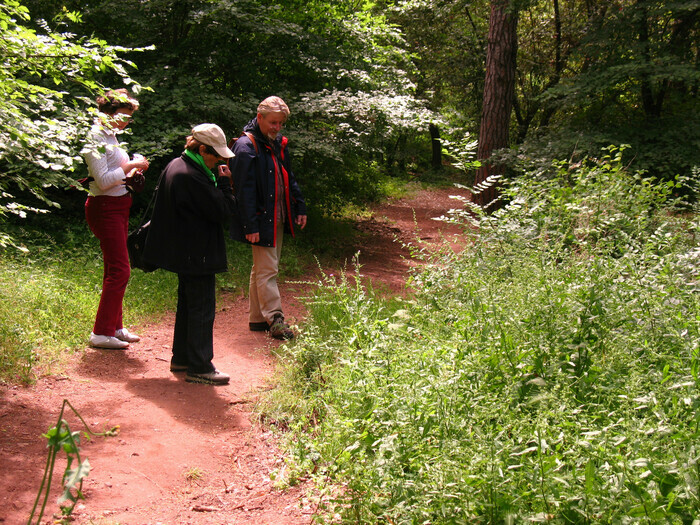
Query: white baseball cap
x=212 y=135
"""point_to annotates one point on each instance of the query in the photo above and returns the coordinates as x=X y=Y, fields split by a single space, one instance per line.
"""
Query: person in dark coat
x=186 y=236
x=269 y=204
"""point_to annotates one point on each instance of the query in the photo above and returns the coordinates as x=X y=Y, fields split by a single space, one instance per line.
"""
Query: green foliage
x=588 y=75
x=549 y=372
x=49 y=297
x=341 y=67
x=447 y=42
x=44 y=77
x=628 y=75
x=61 y=438
x=596 y=205
x=363 y=81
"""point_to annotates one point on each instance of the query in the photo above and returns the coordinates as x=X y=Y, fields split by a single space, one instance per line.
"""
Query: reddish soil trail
x=187 y=453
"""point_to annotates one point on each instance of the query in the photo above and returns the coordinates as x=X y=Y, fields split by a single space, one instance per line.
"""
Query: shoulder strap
x=247 y=134
x=148 y=210
x=284 y=145
x=252 y=139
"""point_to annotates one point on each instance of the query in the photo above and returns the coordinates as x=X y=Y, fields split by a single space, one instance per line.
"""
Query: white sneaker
x=105 y=341
x=124 y=335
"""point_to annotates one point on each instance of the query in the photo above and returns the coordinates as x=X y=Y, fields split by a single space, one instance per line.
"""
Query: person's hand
x=139 y=162
x=301 y=221
x=253 y=238
x=224 y=171
x=135 y=181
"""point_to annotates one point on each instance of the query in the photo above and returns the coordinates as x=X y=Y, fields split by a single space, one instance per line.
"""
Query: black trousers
x=193 y=342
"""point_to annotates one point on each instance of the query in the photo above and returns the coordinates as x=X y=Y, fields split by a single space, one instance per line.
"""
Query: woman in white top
x=107 y=213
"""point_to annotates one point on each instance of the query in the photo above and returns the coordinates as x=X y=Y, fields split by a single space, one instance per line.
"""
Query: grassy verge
x=49 y=295
x=549 y=373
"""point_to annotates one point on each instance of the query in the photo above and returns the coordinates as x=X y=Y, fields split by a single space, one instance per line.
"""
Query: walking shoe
x=105 y=341
x=124 y=335
x=259 y=327
x=209 y=378
x=174 y=367
x=279 y=329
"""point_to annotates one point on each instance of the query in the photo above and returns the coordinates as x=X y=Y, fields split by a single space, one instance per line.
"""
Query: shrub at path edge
x=547 y=373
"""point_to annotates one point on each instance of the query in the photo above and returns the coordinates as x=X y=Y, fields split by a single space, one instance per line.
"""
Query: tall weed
x=548 y=373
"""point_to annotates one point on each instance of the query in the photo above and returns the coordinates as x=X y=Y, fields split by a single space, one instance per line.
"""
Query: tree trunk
x=437 y=146
x=499 y=90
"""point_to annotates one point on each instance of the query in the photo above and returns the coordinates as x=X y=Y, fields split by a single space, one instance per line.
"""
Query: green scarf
x=200 y=162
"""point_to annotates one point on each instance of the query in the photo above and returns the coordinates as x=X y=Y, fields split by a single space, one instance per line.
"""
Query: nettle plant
x=548 y=373
x=62 y=438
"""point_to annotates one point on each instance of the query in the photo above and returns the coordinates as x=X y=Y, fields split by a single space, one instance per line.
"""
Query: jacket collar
x=254 y=128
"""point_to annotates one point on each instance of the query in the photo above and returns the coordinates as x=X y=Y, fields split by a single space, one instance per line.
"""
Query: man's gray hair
x=273 y=105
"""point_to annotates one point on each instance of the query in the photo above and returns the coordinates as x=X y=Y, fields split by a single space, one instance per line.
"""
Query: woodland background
x=549 y=372
x=370 y=84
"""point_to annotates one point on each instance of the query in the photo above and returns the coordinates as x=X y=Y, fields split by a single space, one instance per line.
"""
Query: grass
x=549 y=373
x=194 y=474
x=49 y=294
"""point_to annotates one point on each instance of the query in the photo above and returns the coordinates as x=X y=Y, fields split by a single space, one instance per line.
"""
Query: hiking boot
x=106 y=341
x=279 y=329
x=124 y=335
x=209 y=378
x=259 y=327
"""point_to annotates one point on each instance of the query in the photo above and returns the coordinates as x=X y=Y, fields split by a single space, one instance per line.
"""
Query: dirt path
x=185 y=453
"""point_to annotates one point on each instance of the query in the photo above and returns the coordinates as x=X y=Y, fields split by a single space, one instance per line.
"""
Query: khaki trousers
x=265 y=301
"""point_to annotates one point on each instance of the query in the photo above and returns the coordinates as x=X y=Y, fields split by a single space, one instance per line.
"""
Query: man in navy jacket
x=269 y=203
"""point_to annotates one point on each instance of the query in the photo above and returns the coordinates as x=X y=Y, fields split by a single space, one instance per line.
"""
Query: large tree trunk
x=498 y=95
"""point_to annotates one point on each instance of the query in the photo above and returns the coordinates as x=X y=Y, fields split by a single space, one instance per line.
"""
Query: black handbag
x=136 y=240
x=135 y=243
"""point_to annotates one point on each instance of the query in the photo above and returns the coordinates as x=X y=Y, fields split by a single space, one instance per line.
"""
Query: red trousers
x=108 y=219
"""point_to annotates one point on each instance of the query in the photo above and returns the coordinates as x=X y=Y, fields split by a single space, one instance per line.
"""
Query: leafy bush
x=662 y=148
x=547 y=373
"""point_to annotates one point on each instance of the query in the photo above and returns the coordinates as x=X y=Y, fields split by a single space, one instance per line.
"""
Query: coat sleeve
x=213 y=203
x=244 y=170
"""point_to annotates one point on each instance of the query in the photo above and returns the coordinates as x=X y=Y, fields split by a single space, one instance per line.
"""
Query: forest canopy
x=366 y=81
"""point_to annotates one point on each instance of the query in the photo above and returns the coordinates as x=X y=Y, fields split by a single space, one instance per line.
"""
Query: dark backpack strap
x=148 y=210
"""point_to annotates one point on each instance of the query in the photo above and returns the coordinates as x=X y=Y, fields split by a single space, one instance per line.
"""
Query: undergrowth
x=49 y=295
x=547 y=373
x=50 y=288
